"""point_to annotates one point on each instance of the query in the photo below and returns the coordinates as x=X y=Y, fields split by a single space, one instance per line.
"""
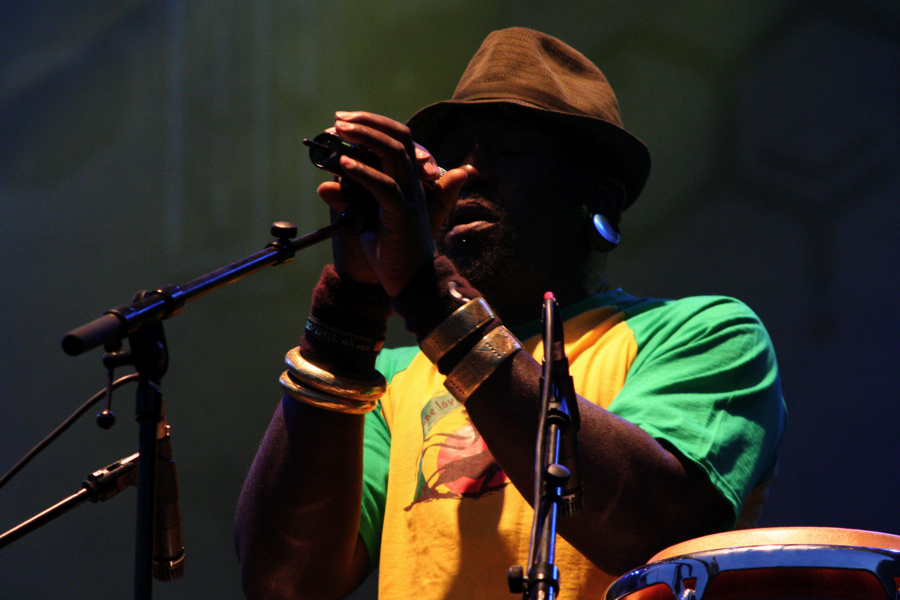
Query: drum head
x=778 y=563
x=774 y=536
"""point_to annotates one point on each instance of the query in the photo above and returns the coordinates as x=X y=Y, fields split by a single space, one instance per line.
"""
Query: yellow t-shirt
x=698 y=373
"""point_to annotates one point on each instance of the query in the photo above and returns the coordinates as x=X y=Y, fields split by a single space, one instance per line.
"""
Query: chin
x=486 y=258
x=485 y=269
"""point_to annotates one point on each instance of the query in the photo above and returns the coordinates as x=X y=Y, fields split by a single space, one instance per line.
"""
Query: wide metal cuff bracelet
x=335 y=385
x=323 y=400
x=481 y=362
x=451 y=331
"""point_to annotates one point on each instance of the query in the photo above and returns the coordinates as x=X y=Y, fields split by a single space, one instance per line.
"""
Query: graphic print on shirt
x=454 y=461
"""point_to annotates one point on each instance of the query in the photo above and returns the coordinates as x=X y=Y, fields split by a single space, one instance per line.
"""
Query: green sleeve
x=376 y=457
x=705 y=381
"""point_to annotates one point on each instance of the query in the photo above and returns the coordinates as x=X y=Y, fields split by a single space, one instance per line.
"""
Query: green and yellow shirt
x=440 y=515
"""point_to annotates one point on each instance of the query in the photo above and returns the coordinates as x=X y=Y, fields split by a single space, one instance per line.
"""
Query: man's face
x=520 y=220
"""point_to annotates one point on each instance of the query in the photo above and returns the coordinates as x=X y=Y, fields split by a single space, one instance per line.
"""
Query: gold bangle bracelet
x=322 y=400
x=451 y=331
x=476 y=366
x=335 y=385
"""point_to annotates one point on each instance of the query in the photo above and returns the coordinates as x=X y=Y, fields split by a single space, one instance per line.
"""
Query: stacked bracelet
x=343 y=387
x=313 y=397
x=481 y=361
x=313 y=385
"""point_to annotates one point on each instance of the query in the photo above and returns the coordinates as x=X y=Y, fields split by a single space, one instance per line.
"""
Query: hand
x=408 y=213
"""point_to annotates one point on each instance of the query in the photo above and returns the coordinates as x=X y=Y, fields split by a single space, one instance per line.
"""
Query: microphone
x=168 y=541
x=571 y=498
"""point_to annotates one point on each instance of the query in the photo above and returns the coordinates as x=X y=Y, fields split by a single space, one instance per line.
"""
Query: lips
x=467 y=229
x=471 y=216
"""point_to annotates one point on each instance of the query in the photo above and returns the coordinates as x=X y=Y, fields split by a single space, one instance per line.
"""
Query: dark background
x=148 y=143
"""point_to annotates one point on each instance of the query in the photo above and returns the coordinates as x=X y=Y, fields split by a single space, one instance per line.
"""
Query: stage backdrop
x=149 y=143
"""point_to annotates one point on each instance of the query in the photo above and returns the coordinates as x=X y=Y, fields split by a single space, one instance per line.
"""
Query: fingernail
x=342 y=115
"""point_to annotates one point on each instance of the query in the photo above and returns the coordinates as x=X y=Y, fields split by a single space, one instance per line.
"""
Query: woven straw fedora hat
x=529 y=69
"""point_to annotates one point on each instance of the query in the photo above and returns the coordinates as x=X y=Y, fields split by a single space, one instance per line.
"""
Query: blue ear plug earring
x=603 y=235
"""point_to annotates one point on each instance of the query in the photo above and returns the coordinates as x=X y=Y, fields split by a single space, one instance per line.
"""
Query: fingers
x=403 y=166
x=429 y=171
x=444 y=196
x=387 y=139
x=392 y=143
x=331 y=193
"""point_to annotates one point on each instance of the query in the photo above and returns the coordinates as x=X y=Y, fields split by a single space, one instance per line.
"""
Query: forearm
x=298 y=515
x=638 y=497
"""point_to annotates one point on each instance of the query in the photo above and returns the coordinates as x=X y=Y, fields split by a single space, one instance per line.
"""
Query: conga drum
x=790 y=563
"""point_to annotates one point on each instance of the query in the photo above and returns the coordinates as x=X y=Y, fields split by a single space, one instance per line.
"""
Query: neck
x=520 y=306
x=516 y=293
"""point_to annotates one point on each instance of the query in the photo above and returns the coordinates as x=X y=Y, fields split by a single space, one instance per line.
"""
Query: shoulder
x=650 y=317
x=699 y=332
x=691 y=316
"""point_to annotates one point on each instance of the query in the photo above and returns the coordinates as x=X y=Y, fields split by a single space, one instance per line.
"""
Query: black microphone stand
x=151 y=360
x=141 y=324
x=100 y=486
x=541 y=581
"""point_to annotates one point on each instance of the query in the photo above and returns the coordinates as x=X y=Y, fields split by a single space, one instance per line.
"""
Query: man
x=680 y=404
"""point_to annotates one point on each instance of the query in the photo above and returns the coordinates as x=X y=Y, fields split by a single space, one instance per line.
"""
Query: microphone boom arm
x=120 y=322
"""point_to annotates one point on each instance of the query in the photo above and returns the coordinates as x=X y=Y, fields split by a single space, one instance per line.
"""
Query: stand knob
x=515 y=578
x=283 y=229
x=106 y=419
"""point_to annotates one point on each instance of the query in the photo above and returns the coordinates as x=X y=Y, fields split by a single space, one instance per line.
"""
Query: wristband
x=343 y=338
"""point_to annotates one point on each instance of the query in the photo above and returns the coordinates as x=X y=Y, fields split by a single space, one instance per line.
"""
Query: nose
x=476 y=164
x=475 y=172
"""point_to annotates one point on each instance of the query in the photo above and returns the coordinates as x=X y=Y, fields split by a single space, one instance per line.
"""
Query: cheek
x=543 y=196
x=550 y=235
x=549 y=210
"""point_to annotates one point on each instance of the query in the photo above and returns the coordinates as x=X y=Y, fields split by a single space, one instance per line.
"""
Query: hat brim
x=630 y=156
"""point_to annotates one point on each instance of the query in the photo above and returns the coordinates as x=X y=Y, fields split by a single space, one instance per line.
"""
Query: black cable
x=540 y=444
x=65 y=425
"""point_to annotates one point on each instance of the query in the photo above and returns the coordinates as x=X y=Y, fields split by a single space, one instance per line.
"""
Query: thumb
x=444 y=195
